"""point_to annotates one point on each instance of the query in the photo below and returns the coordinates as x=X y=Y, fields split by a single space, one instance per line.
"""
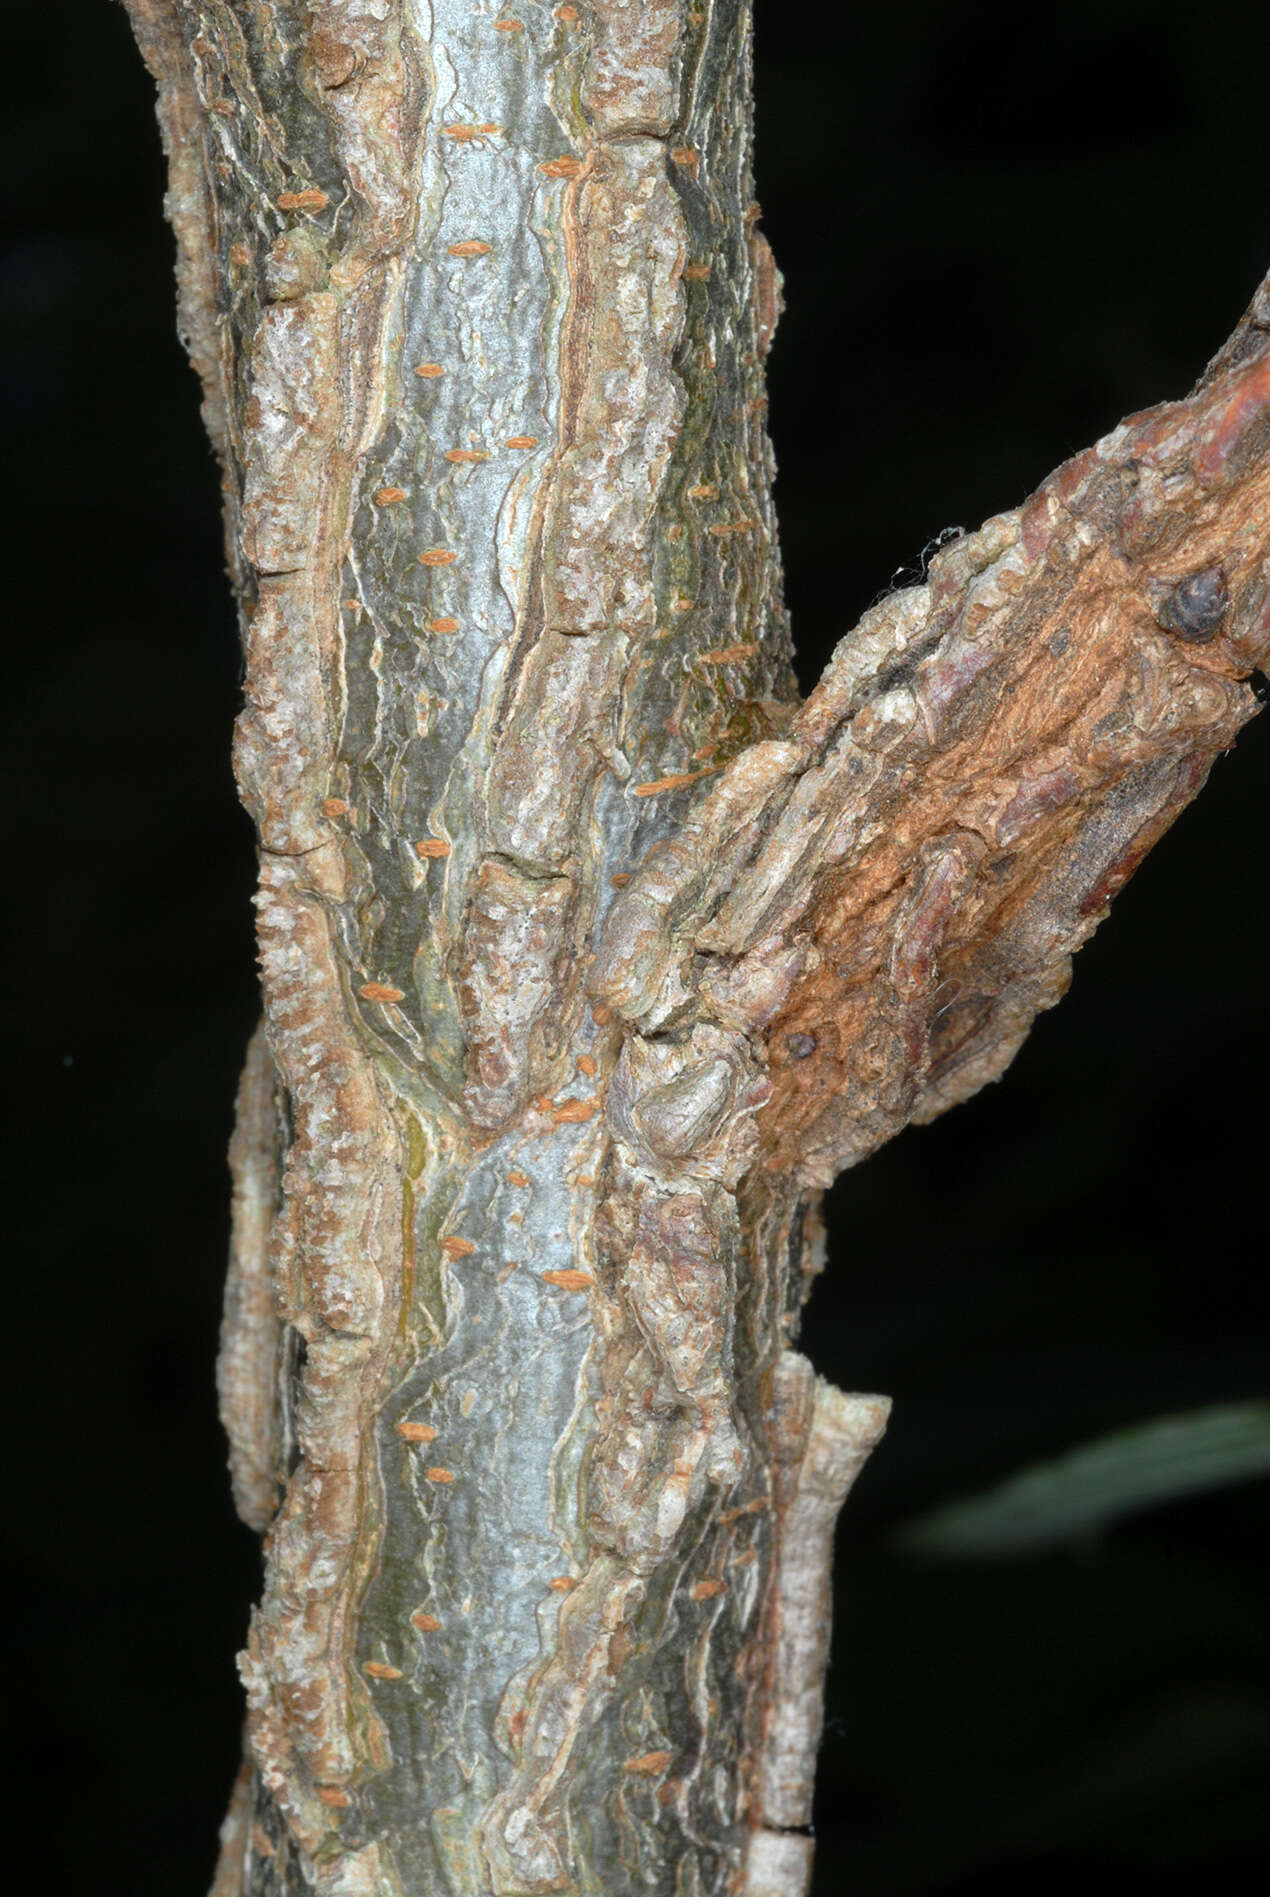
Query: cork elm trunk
x=589 y=954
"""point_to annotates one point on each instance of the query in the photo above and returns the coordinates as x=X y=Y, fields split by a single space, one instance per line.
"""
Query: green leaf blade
x=1090 y=1487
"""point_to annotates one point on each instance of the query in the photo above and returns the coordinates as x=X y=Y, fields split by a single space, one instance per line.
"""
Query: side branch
x=893 y=891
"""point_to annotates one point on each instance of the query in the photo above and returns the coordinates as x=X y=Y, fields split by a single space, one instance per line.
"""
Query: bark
x=588 y=953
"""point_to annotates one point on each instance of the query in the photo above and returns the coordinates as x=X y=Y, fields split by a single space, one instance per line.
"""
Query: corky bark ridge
x=894 y=891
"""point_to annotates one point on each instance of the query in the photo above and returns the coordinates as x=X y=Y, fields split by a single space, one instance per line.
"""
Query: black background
x=1000 y=231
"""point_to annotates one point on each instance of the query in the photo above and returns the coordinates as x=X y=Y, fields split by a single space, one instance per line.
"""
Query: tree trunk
x=589 y=954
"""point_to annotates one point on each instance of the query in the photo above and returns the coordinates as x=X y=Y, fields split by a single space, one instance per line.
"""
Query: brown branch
x=891 y=894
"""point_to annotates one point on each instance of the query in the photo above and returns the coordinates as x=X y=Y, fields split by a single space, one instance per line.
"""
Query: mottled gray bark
x=587 y=953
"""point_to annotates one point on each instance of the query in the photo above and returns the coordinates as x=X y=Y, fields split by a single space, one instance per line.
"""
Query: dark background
x=1000 y=233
